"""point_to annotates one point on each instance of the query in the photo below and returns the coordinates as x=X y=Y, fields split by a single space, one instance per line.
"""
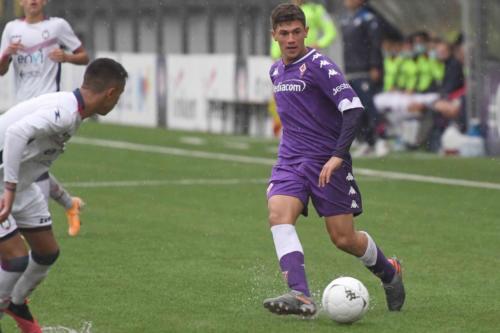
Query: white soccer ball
x=345 y=300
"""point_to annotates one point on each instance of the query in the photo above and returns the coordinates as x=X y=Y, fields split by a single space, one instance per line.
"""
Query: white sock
x=370 y=257
x=32 y=277
x=285 y=239
x=7 y=282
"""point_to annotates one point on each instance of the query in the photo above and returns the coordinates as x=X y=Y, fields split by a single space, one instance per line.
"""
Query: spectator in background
x=321 y=35
x=450 y=107
x=393 y=60
x=362 y=38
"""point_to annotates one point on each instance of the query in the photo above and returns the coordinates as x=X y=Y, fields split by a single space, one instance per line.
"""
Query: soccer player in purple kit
x=320 y=114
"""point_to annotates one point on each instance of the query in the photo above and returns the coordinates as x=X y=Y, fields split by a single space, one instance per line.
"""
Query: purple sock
x=292 y=266
x=383 y=268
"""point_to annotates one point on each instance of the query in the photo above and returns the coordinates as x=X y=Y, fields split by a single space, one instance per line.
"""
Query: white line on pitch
x=131 y=183
x=270 y=161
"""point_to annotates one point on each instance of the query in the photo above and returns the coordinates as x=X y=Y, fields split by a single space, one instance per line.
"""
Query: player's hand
x=13 y=48
x=57 y=55
x=6 y=201
x=329 y=168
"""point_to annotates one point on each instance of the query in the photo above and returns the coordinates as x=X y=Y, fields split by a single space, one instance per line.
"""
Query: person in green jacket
x=321 y=35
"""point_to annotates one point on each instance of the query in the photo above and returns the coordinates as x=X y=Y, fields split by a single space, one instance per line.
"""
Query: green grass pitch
x=178 y=249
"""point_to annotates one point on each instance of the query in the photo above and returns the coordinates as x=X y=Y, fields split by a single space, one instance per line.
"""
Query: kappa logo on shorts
x=354 y=204
x=44 y=220
x=352 y=191
x=349 y=177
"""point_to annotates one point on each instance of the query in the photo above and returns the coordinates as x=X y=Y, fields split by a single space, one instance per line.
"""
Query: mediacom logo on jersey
x=290 y=86
x=341 y=87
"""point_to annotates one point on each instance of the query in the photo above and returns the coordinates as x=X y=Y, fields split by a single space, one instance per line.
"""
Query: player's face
x=33 y=7
x=290 y=37
x=110 y=99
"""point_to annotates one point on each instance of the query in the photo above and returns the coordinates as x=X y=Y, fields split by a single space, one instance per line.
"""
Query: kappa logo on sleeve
x=324 y=63
x=332 y=72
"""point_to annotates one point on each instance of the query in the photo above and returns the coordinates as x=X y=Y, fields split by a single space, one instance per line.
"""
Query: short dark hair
x=102 y=73
x=287 y=12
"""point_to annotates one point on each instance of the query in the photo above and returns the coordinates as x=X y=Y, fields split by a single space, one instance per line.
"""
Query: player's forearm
x=77 y=58
x=4 y=64
x=350 y=121
x=12 y=155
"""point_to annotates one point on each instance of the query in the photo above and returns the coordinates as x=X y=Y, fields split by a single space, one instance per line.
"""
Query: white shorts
x=30 y=211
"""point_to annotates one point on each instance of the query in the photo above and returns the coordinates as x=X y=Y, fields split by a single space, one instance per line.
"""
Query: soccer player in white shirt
x=32 y=135
x=33 y=45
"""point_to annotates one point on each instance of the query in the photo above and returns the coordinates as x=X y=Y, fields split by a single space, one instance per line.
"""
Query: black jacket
x=361 y=34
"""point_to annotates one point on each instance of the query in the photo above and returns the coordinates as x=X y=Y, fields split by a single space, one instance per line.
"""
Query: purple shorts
x=340 y=196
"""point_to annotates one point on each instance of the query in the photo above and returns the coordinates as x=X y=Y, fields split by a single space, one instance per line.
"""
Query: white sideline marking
x=271 y=161
x=172 y=151
x=132 y=183
x=61 y=329
x=192 y=140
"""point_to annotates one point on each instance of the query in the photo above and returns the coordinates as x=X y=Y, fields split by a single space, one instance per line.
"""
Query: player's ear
x=110 y=91
x=307 y=30
x=273 y=34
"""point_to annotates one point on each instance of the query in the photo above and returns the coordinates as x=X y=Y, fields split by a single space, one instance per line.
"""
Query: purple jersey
x=311 y=94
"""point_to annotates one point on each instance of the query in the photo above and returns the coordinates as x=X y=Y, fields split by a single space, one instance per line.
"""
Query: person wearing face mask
x=426 y=79
x=392 y=63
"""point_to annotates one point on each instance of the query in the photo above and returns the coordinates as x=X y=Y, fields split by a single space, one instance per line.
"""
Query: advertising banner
x=259 y=84
x=195 y=85
x=138 y=104
x=491 y=111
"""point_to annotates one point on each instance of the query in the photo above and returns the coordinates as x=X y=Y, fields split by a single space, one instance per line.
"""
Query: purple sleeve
x=333 y=84
x=350 y=120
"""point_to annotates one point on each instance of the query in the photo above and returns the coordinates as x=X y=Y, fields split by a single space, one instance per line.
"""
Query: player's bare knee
x=276 y=218
x=16 y=264
x=342 y=242
x=45 y=259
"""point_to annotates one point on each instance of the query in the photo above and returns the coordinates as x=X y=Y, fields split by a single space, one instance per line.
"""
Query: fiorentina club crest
x=302 y=69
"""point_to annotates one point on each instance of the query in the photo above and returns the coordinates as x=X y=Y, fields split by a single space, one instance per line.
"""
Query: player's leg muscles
x=283 y=213
x=44 y=253
x=283 y=209
x=344 y=236
x=14 y=256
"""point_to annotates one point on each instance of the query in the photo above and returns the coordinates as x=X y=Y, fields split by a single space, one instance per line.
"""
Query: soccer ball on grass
x=345 y=300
